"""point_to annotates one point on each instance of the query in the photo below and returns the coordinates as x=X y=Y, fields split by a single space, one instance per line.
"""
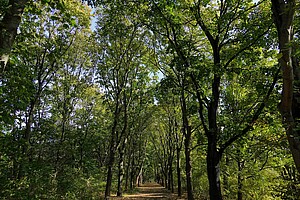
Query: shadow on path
x=150 y=191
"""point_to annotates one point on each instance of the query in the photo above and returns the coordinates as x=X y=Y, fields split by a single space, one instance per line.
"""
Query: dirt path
x=150 y=191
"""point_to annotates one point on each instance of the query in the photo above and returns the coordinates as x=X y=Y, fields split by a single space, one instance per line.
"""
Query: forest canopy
x=100 y=97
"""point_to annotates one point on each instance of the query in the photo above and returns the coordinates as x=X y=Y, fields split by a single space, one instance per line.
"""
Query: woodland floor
x=150 y=191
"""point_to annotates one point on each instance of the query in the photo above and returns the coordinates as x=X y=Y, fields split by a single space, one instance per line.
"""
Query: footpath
x=150 y=191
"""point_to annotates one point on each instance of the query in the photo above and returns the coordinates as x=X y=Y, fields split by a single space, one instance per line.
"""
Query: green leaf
x=73 y=22
x=279 y=55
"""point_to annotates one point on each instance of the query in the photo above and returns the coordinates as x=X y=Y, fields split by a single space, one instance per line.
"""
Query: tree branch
x=255 y=116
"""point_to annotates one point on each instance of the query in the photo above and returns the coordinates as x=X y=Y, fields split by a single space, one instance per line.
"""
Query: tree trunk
x=121 y=172
x=109 y=171
x=213 y=169
x=128 y=166
x=169 y=170
x=122 y=149
x=8 y=29
x=166 y=175
x=188 y=166
x=27 y=133
x=112 y=149
x=213 y=155
x=240 y=179
x=187 y=138
x=178 y=173
x=111 y=160
x=132 y=171
x=164 y=172
x=139 y=178
x=178 y=150
x=283 y=14
x=296 y=108
x=29 y=122
x=225 y=176
x=171 y=184
x=240 y=186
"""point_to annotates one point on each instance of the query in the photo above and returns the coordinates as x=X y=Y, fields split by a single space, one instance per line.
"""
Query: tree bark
x=188 y=166
x=170 y=156
x=169 y=170
x=213 y=155
x=8 y=28
x=225 y=176
x=178 y=173
x=127 y=171
x=139 y=178
x=121 y=172
x=132 y=170
x=112 y=150
x=178 y=167
x=283 y=14
x=213 y=169
x=124 y=138
x=187 y=138
x=109 y=172
x=171 y=183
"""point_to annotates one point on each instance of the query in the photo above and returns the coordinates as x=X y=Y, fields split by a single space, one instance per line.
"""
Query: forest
x=98 y=97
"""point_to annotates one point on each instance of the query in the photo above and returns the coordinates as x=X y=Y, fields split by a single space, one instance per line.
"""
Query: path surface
x=150 y=191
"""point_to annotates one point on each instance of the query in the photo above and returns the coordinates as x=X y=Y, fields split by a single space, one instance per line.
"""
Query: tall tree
x=283 y=14
x=226 y=33
x=121 y=64
x=40 y=51
x=168 y=122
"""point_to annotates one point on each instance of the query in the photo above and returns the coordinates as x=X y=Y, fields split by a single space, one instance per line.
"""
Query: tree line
x=200 y=96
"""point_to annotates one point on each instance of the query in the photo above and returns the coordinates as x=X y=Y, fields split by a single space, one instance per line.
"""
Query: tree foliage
x=184 y=93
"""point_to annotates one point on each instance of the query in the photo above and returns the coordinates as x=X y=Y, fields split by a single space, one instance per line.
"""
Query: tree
x=283 y=14
x=82 y=112
x=10 y=15
x=229 y=34
x=168 y=121
x=43 y=48
x=122 y=73
x=11 y=12
x=220 y=41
